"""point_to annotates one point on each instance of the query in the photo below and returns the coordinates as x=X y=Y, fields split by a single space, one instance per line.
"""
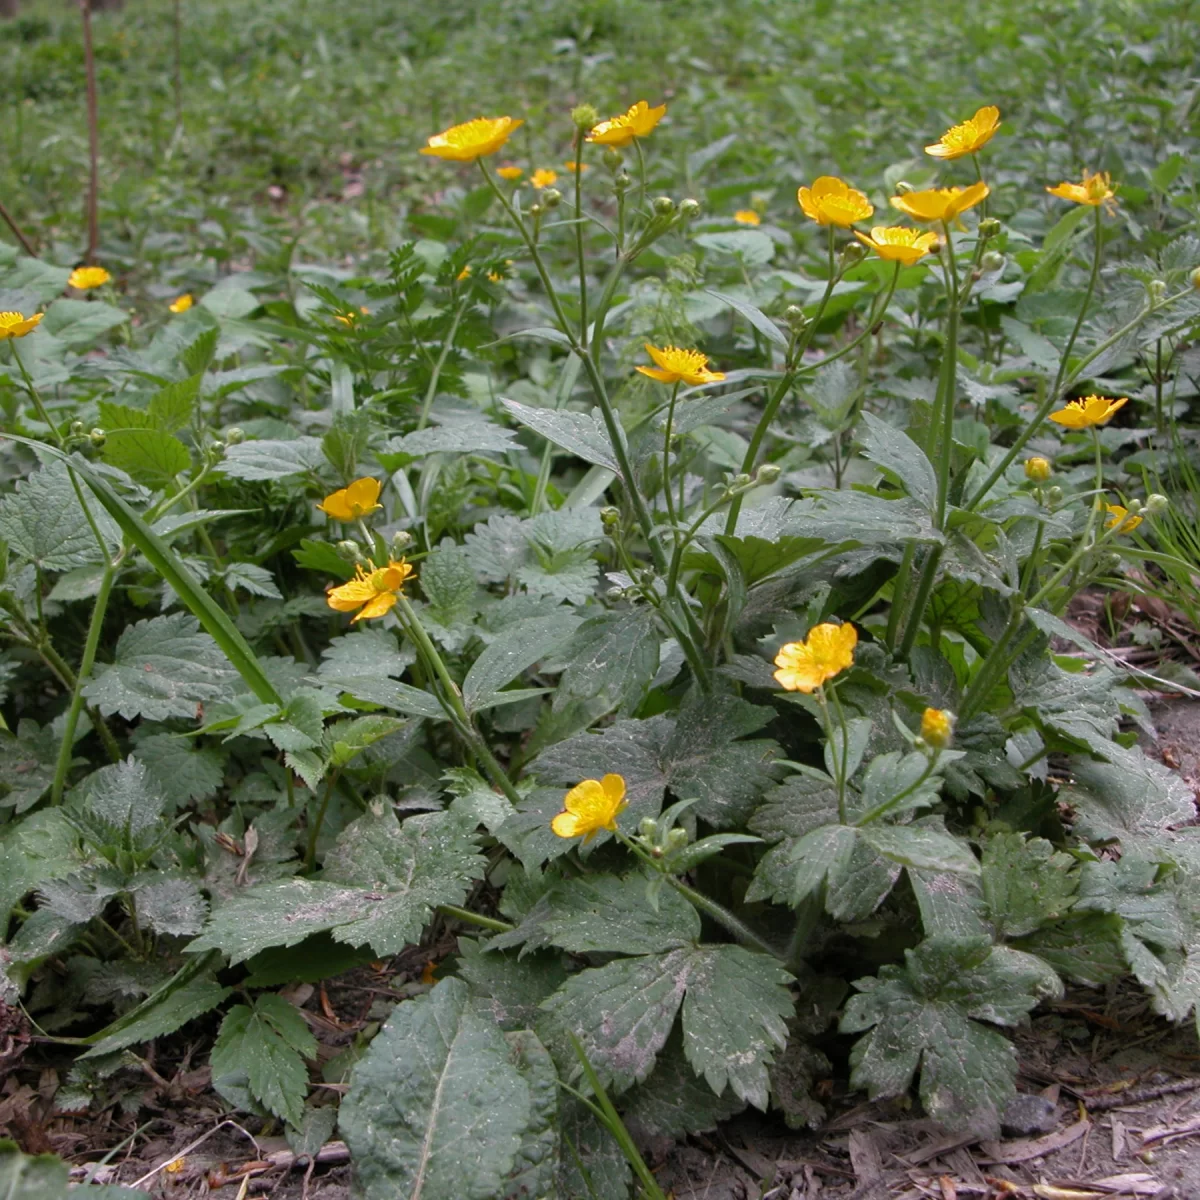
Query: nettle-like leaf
x=263 y=1049
x=612 y=659
x=929 y=1015
x=381 y=884
x=163 y=667
x=34 y=851
x=437 y=1107
x=1025 y=884
x=509 y=988
x=698 y=753
x=183 y=771
x=120 y=807
x=735 y=1004
x=27 y=763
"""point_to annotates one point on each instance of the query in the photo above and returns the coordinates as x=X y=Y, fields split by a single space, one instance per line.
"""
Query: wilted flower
x=543 y=178
x=15 y=324
x=832 y=201
x=673 y=365
x=181 y=303
x=85 y=278
x=747 y=216
x=1095 y=189
x=940 y=204
x=1038 y=469
x=1092 y=410
x=357 y=500
x=937 y=727
x=969 y=136
x=897 y=243
x=1121 y=519
x=472 y=140
x=637 y=122
x=510 y=172
x=372 y=593
x=591 y=806
x=827 y=651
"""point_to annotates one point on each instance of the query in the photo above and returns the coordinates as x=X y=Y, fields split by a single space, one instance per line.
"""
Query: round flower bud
x=993 y=260
x=98 y=437
x=648 y=828
x=1195 y=278
x=614 y=594
x=536 y=210
x=622 y=182
x=584 y=117
x=1110 y=562
x=1038 y=469
x=689 y=209
x=610 y=517
x=904 y=187
x=1054 y=496
x=937 y=727
x=402 y=540
x=1134 y=507
x=664 y=206
x=216 y=450
x=235 y=436
x=1156 y=502
x=677 y=839
x=853 y=252
x=794 y=316
x=989 y=227
x=348 y=551
x=612 y=157
x=552 y=197
x=646 y=577
x=768 y=473
x=1157 y=291
x=78 y=429
x=742 y=480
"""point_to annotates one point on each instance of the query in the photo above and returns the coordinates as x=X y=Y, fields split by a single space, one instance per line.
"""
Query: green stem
x=310 y=853
x=667 y=456
x=898 y=587
x=916 y=610
x=839 y=765
x=637 y=145
x=447 y=346
x=465 y=914
x=948 y=384
x=579 y=258
x=43 y=416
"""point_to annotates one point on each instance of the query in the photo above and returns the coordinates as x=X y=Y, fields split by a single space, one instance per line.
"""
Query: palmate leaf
x=438 y=1109
x=382 y=881
x=735 y=1004
x=928 y=1016
x=612 y=658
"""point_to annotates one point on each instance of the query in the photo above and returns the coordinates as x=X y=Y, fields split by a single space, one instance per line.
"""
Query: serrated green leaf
x=508 y=987
x=33 y=851
x=164 y=667
x=536 y=1163
x=610 y=914
x=900 y=458
x=448 y=581
x=1025 y=884
x=612 y=659
x=346 y=740
x=150 y=456
x=1085 y=948
x=583 y=435
x=513 y=651
x=267 y=459
x=924 y=845
x=436 y=1108
x=81 y=322
x=174 y=907
x=755 y=316
x=46 y=1177
x=171 y=408
x=589 y=1147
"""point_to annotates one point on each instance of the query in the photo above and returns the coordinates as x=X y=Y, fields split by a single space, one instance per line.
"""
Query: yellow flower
x=827 y=651
x=510 y=172
x=1038 y=469
x=372 y=594
x=747 y=216
x=571 y=166
x=346 y=319
x=832 y=201
x=465 y=273
x=84 y=278
x=1120 y=518
x=543 y=178
x=1083 y=414
x=896 y=243
x=181 y=303
x=638 y=122
x=357 y=500
x=940 y=204
x=968 y=137
x=472 y=140
x=673 y=365
x=591 y=806
x=15 y=324
x=937 y=727
x=1096 y=189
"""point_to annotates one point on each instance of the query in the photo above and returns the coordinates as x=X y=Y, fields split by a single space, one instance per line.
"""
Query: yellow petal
x=377 y=606
x=566 y=825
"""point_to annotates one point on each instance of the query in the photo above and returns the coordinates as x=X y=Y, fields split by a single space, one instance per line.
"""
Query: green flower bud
x=689 y=209
x=1054 y=496
x=216 y=450
x=401 y=542
x=677 y=839
x=1134 y=507
x=989 y=227
x=993 y=260
x=648 y=828
x=1195 y=278
x=623 y=183
x=536 y=210
x=664 y=206
x=1156 y=503
x=348 y=551
x=235 y=436
x=551 y=197
x=610 y=517
x=1156 y=289
x=742 y=480
x=78 y=429
x=615 y=593
x=612 y=157
x=98 y=437
x=852 y=253
x=584 y=117
x=768 y=473
x=904 y=187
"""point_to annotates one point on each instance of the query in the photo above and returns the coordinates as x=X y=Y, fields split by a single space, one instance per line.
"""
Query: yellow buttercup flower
x=465 y=273
x=1121 y=519
x=510 y=172
x=591 y=806
x=827 y=651
x=937 y=727
x=181 y=303
x=472 y=140
x=637 y=122
x=968 y=137
x=1038 y=469
x=673 y=365
x=832 y=201
x=15 y=324
x=543 y=178
x=940 y=204
x=571 y=166
x=84 y=278
x=1095 y=189
x=897 y=243
x=357 y=500
x=747 y=216
x=372 y=593
x=1092 y=410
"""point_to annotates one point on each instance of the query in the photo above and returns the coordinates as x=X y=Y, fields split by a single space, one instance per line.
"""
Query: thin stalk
x=667 y=457
x=579 y=257
x=178 y=64
x=916 y=610
x=1087 y=300
x=830 y=734
x=43 y=416
x=26 y=244
x=948 y=384
x=465 y=914
x=447 y=346
x=897 y=606
x=310 y=853
x=637 y=145
x=92 y=207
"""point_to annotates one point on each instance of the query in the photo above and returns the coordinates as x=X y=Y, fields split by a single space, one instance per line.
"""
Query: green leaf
x=928 y=1016
x=171 y=408
x=448 y=581
x=457 y=437
x=611 y=914
x=583 y=435
x=163 y=667
x=612 y=659
x=675 y=1101
x=752 y=246
x=856 y=518
x=381 y=883
x=1025 y=884
x=261 y=460
x=346 y=740
x=436 y=1108
x=507 y=986
x=589 y=1146
x=170 y=906
x=182 y=770
x=27 y=763
x=755 y=316
x=33 y=851
x=44 y=523
x=536 y=1163
x=147 y=455
x=900 y=459
x=924 y=844
x=1085 y=948
x=81 y=322
x=264 y=1048
x=514 y=650
x=46 y=1177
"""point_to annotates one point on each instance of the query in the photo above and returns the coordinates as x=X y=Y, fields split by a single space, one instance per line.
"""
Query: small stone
x=1025 y=1115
